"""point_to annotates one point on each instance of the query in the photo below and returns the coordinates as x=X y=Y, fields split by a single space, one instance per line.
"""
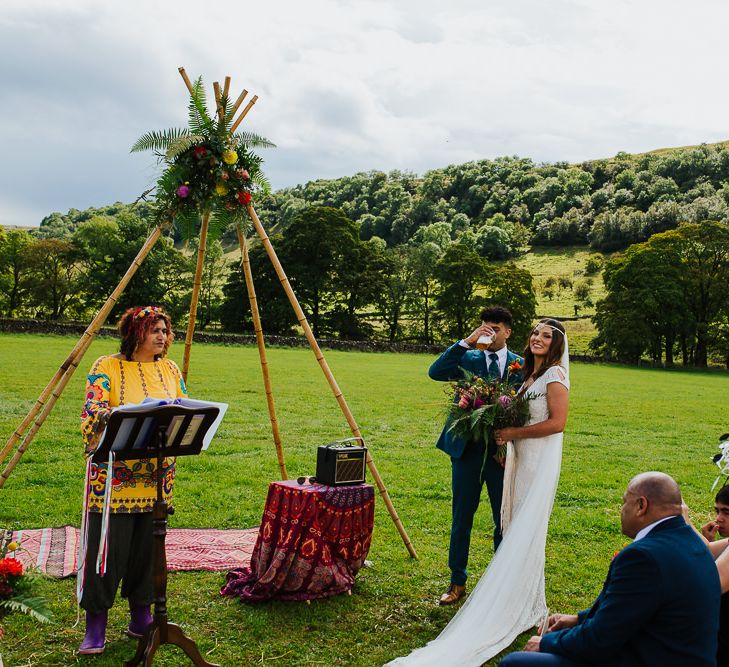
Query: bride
x=509 y=598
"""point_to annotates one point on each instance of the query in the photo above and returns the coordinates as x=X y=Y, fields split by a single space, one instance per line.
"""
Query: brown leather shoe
x=455 y=593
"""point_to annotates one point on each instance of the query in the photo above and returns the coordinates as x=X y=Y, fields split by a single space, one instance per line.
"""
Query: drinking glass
x=483 y=342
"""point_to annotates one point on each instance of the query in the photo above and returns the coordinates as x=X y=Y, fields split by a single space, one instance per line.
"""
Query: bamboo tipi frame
x=32 y=422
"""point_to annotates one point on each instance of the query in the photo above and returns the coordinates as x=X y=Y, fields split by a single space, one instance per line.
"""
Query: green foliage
x=15 y=270
x=669 y=290
x=460 y=272
x=327 y=265
x=36 y=607
x=106 y=248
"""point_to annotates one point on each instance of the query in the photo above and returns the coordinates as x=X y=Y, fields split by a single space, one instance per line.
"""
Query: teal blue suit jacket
x=448 y=368
x=659 y=606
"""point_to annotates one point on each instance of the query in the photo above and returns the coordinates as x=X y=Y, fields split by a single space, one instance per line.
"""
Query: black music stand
x=158 y=432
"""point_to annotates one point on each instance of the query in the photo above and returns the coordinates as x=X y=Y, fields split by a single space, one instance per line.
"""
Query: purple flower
x=505 y=401
x=182 y=191
x=478 y=402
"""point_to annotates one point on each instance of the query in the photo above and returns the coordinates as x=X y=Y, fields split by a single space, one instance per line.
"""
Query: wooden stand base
x=169 y=633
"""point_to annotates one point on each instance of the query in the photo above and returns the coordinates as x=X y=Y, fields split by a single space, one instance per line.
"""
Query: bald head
x=650 y=496
x=660 y=489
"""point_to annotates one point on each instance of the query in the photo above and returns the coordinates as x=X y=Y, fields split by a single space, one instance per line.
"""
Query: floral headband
x=149 y=310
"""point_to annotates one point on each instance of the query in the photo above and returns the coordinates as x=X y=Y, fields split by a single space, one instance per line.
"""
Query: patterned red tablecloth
x=312 y=541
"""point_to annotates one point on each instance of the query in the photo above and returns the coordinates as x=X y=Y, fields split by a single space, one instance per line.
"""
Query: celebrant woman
x=123 y=553
x=509 y=598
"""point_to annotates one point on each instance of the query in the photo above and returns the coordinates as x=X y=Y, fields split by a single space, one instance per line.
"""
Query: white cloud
x=349 y=86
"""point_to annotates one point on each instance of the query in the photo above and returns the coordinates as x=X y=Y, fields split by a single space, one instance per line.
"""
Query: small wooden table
x=312 y=542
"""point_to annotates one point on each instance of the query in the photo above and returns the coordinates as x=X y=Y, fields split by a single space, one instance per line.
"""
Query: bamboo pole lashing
x=218 y=100
x=243 y=114
x=246 y=265
x=68 y=367
x=329 y=375
x=195 y=292
x=185 y=78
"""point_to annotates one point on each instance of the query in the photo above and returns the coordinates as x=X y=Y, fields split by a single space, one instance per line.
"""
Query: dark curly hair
x=136 y=323
x=497 y=315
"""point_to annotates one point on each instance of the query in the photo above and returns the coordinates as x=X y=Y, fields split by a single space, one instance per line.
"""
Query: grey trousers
x=129 y=561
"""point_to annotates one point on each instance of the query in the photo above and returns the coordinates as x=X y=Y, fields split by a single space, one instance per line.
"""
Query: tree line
x=350 y=288
x=498 y=207
x=403 y=258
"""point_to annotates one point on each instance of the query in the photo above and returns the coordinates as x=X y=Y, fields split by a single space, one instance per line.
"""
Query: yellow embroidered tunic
x=113 y=382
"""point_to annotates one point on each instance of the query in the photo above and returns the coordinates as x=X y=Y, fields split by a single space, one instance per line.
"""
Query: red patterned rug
x=54 y=550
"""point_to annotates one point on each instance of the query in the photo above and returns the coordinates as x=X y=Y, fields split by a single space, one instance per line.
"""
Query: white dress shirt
x=501 y=354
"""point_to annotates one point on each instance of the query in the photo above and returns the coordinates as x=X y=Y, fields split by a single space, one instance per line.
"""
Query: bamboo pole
x=55 y=387
x=238 y=102
x=195 y=292
x=185 y=78
x=246 y=264
x=301 y=317
x=218 y=104
x=243 y=114
x=226 y=87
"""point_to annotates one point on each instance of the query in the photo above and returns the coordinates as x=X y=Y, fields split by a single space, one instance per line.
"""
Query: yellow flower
x=230 y=157
x=13 y=546
x=221 y=189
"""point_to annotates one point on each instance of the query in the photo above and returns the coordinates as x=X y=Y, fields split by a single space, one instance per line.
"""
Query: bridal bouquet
x=482 y=406
x=16 y=589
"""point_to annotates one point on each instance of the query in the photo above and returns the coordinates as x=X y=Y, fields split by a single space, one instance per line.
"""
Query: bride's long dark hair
x=554 y=353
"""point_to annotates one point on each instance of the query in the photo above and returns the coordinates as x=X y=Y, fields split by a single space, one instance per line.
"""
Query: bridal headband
x=551 y=326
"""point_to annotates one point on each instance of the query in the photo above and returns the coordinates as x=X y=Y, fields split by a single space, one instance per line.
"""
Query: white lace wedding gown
x=509 y=598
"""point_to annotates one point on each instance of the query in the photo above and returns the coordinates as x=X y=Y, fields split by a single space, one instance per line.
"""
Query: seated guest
x=712 y=531
x=659 y=604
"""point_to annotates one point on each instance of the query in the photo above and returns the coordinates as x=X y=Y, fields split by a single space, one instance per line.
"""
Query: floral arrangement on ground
x=16 y=588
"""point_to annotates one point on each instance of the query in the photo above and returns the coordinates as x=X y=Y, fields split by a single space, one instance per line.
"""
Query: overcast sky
x=349 y=86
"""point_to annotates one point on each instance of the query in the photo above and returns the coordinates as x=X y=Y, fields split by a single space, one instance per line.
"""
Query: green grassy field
x=622 y=421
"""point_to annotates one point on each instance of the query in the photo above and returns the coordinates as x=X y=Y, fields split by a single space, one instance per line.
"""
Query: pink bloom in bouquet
x=505 y=400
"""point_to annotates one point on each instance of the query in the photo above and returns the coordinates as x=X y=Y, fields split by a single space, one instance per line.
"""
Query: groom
x=467 y=457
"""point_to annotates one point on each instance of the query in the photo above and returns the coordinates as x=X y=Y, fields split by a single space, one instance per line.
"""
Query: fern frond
x=33 y=606
x=187 y=223
x=180 y=145
x=253 y=140
x=159 y=141
x=199 y=119
x=225 y=123
x=220 y=219
x=262 y=182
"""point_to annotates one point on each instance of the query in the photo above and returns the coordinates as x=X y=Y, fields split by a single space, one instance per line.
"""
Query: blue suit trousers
x=467 y=478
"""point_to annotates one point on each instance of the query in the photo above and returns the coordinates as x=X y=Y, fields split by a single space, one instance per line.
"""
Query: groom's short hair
x=497 y=315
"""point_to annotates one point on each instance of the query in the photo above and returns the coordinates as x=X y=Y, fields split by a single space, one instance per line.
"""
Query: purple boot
x=141 y=619
x=95 y=637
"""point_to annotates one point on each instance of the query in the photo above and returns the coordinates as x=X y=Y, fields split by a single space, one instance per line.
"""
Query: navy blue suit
x=659 y=606
x=467 y=460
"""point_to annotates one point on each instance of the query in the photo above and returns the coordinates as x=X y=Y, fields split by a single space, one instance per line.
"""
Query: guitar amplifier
x=341 y=462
